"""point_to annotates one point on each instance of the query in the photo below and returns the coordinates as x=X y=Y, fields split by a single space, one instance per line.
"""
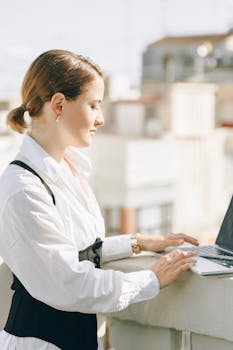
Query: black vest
x=29 y=317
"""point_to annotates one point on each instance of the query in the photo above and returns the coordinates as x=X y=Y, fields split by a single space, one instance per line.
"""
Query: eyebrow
x=99 y=101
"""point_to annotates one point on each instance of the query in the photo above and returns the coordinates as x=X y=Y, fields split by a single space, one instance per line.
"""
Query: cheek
x=79 y=120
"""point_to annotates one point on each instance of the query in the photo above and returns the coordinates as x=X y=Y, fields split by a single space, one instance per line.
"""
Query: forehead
x=94 y=89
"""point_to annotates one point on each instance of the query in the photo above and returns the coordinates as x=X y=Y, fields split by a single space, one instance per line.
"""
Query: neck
x=49 y=143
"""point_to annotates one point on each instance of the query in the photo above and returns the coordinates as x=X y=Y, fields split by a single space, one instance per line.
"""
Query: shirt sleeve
x=116 y=247
x=36 y=247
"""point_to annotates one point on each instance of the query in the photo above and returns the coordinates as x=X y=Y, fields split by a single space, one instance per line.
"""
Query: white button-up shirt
x=40 y=241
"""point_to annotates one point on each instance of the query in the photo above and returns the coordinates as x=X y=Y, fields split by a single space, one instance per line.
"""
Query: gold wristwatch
x=134 y=243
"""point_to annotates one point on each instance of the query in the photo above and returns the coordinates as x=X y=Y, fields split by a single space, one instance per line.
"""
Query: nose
x=99 y=119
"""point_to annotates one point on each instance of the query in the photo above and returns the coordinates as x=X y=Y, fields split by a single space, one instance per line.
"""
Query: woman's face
x=81 y=118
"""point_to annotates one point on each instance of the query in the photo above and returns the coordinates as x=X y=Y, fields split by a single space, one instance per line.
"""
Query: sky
x=114 y=33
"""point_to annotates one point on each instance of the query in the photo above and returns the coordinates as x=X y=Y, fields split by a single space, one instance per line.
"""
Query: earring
x=58 y=118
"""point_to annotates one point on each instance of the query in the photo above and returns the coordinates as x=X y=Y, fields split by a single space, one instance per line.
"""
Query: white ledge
x=202 y=305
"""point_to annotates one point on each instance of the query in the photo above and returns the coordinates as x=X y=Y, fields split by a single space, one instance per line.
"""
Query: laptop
x=218 y=258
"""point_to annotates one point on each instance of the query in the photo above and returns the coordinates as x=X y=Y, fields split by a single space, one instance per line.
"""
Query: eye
x=95 y=108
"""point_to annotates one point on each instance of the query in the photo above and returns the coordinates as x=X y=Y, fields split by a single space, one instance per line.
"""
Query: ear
x=57 y=102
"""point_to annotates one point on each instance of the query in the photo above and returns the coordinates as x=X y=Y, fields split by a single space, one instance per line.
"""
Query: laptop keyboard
x=223 y=262
x=210 y=251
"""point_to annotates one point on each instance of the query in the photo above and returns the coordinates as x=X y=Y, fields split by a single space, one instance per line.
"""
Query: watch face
x=136 y=248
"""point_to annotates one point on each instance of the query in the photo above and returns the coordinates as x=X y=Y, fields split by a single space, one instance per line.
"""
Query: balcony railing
x=201 y=307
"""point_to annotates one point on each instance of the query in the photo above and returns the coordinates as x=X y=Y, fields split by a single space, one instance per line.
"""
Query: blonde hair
x=53 y=71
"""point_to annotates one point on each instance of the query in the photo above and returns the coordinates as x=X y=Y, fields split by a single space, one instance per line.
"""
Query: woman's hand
x=159 y=243
x=170 y=266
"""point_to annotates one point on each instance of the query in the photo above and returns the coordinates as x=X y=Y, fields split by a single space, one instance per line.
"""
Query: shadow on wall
x=5 y=292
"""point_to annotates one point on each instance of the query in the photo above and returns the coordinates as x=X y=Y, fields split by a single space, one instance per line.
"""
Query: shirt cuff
x=116 y=247
x=138 y=286
x=148 y=284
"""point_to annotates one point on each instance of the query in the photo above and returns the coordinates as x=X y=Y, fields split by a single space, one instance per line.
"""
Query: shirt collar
x=47 y=166
x=79 y=161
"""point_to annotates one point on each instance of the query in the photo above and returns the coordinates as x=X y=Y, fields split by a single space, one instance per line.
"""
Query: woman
x=51 y=228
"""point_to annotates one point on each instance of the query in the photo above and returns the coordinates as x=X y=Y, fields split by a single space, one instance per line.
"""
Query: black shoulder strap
x=27 y=167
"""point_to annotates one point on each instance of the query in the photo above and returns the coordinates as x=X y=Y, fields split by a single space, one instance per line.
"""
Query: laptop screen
x=225 y=236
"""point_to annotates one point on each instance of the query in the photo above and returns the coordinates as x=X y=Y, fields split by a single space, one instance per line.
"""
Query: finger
x=182 y=253
x=190 y=254
x=191 y=240
x=188 y=239
x=179 y=255
x=183 y=262
x=174 y=242
x=176 y=255
x=184 y=267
